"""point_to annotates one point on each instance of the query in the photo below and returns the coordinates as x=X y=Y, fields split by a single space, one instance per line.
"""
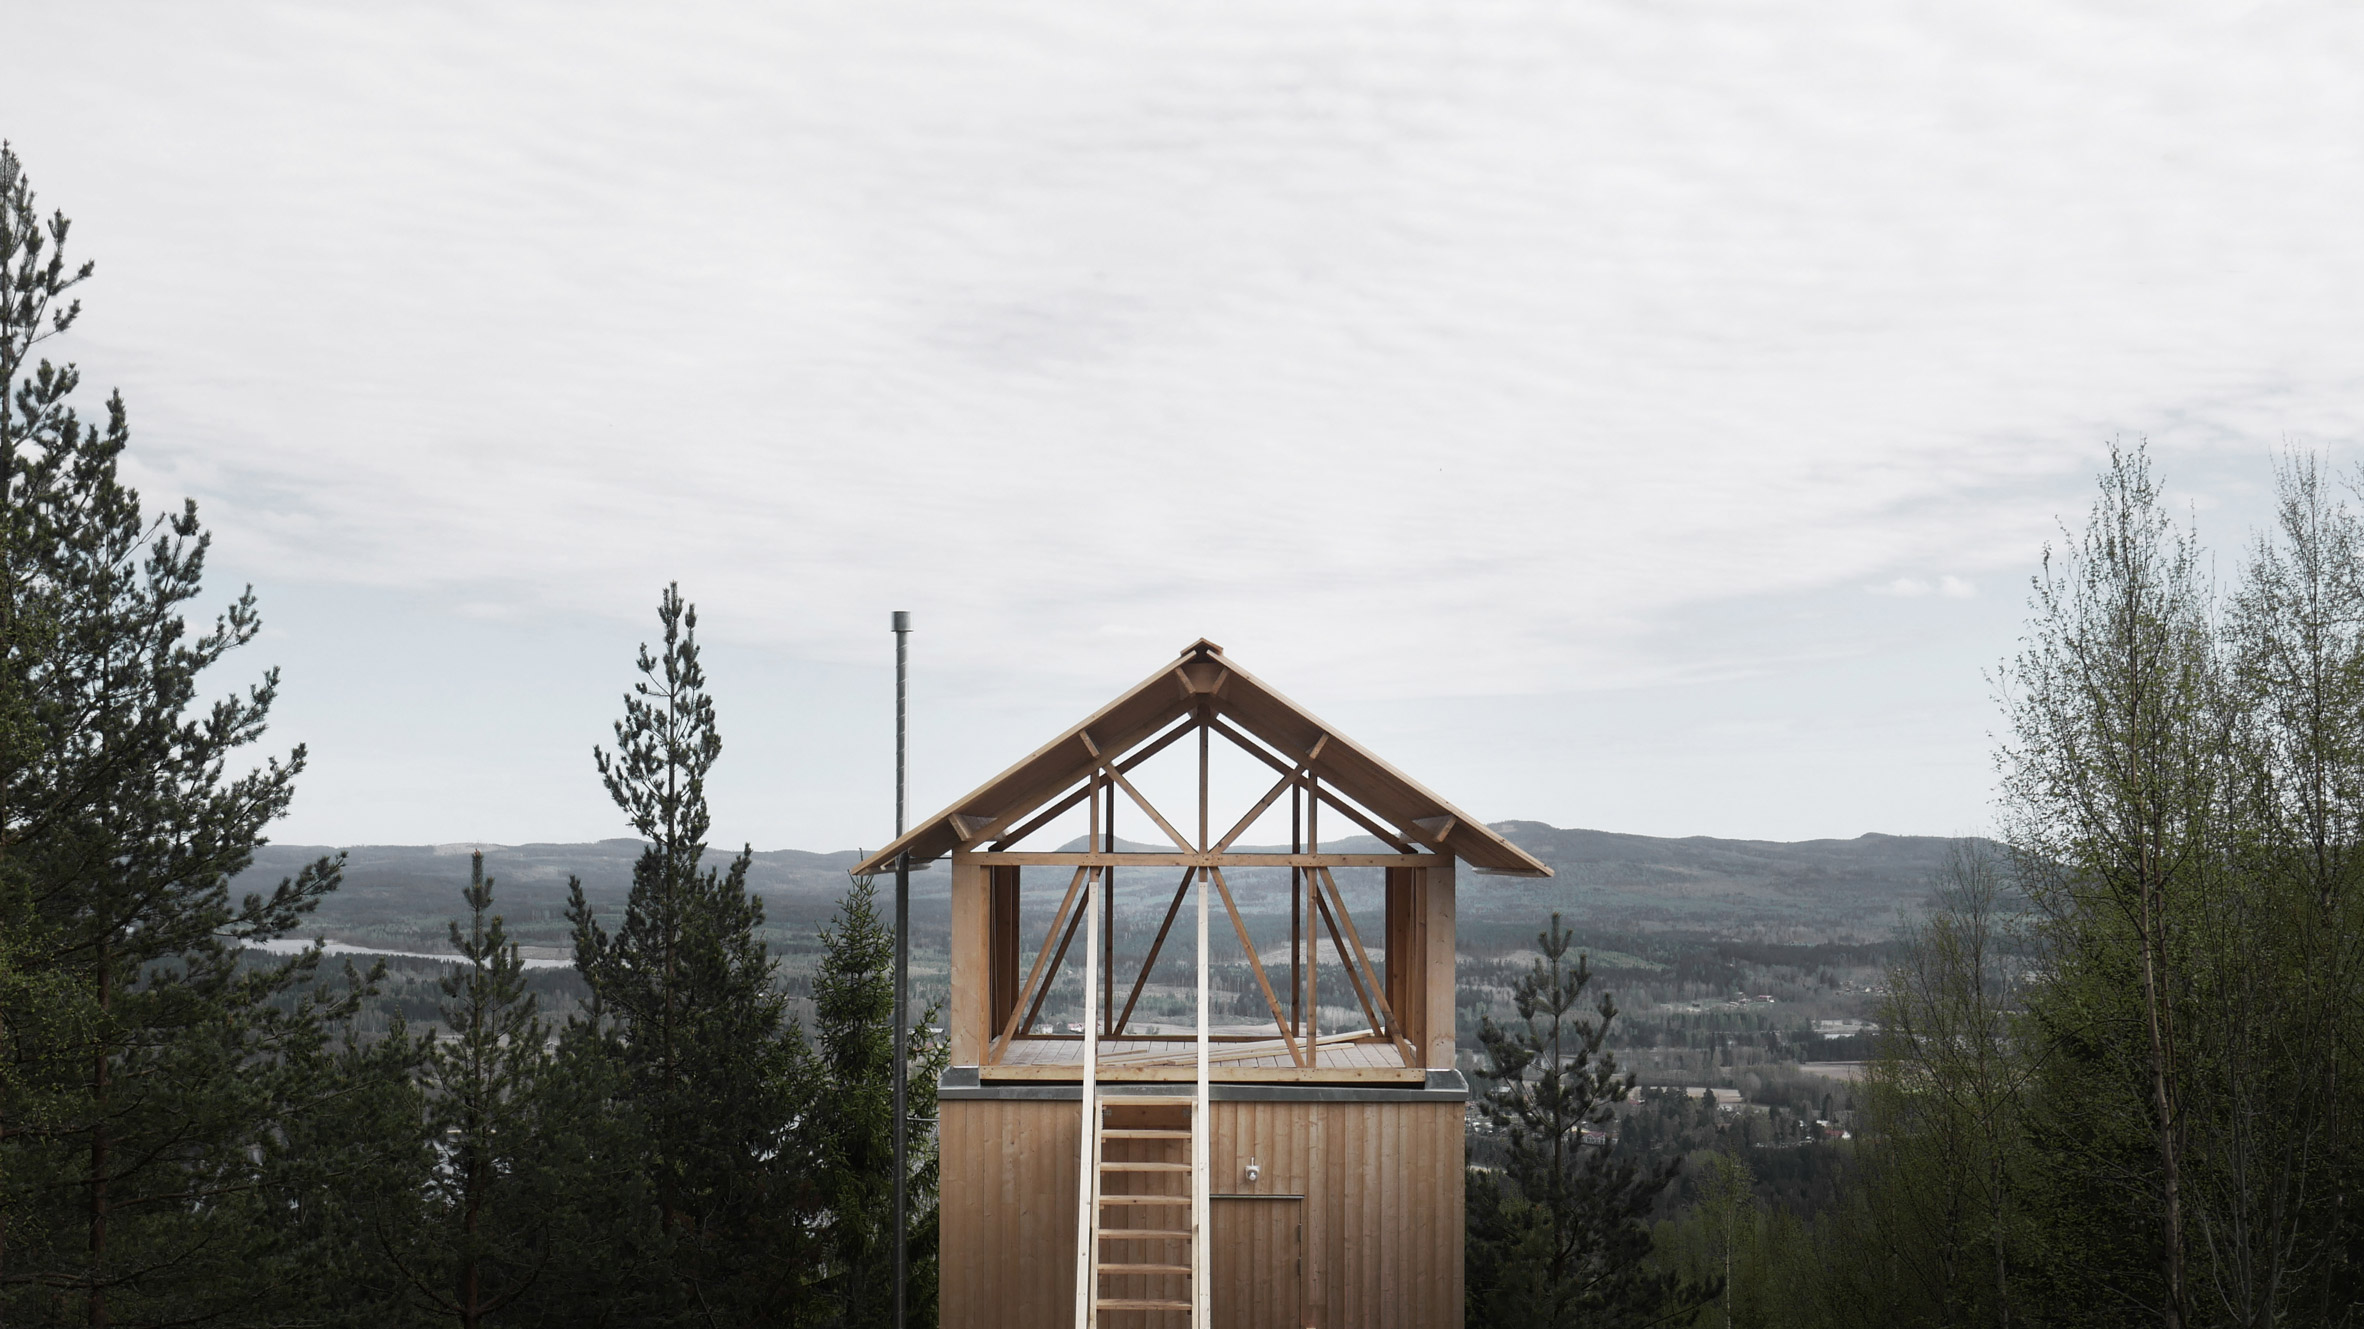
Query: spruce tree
x=709 y=1063
x=153 y=1077
x=1565 y=1240
x=850 y=1128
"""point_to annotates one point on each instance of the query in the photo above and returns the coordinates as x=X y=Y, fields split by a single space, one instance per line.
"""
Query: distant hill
x=1830 y=888
x=398 y=896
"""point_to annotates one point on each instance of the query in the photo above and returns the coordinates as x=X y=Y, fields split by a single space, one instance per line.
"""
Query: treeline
x=192 y=1132
x=2121 y=1056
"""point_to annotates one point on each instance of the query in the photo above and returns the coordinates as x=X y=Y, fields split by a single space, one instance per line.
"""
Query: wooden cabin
x=1110 y=1170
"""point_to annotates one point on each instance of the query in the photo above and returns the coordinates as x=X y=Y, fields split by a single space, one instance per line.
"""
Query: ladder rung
x=1139 y=1304
x=1118 y=1269
x=1147 y=1100
x=1144 y=1167
x=1137 y=1133
x=1144 y=1234
x=1172 y=1201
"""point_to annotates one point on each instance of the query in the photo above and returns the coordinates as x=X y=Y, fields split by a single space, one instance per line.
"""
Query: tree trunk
x=2163 y=1102
x=98 y=1153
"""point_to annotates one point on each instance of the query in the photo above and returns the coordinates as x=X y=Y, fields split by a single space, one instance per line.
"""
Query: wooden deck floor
x=1144 y=1059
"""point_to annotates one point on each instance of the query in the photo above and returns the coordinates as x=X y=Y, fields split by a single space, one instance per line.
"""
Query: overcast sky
x=1642 y=416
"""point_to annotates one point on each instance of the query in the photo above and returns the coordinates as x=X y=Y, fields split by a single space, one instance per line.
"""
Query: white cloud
x=1341 y=333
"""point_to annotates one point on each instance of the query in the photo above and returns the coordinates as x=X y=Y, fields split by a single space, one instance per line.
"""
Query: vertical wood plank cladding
x=1381 y=1222
x=1440 y=941
x=965 y=1021
x=1407 y=955
x=1256 y=1249
x=1008 y=1225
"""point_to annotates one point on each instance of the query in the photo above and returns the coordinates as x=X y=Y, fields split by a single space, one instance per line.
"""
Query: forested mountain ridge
x=398 y=896
x=1854 y=887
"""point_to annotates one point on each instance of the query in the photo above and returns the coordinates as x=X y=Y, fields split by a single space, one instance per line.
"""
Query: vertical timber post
x=1313 y=937
x=1108 y=919
x=1202 y=1122
x=1296 y=910
x=1087 y=1178
x=902 y=630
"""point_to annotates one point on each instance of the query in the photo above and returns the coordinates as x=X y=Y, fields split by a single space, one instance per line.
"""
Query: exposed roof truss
x=1202 y=693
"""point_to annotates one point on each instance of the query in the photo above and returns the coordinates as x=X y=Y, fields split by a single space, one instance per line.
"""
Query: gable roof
x=1203 y=674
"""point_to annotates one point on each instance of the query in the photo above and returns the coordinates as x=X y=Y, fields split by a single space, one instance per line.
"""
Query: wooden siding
x=1262 y=1285
x=971 y=969
x=1407 y=956
x=1440 y=1050
x=1007 y=1222
x=1382 y=1214
x=1002 y=943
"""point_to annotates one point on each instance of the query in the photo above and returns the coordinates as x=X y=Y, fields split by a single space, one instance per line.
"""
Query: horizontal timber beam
x=1221 y=1072
x=1181 y=860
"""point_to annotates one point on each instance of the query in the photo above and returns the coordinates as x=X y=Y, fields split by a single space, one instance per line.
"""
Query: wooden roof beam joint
x=1288 y=781
x=1083 y=790
x=1396 y=840
x=1109 y=768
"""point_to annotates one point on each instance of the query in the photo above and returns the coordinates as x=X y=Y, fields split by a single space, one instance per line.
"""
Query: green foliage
x=2117 y=1067
x=481 y=1236
x=1947 y=1097
x=851 y=1126
x=156 y=1086
x=1560 y=1236
x=713 y=1072
x=193 y=1132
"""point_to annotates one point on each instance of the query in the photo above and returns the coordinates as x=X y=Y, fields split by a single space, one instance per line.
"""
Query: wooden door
x=1257 y=1249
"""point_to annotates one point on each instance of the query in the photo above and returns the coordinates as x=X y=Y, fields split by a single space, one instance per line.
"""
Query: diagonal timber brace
x=1363 y=959
x=1023 y=1011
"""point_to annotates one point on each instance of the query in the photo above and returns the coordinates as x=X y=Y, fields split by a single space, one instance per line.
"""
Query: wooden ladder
x=1146 y=1251
x=1142 y=1233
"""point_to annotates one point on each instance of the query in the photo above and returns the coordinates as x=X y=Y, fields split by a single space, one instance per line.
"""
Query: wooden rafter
x=1401 y=842
x=1082 y=790
x=1178 y=697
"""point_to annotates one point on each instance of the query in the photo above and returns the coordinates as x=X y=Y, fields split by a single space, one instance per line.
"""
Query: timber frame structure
x=1368 y=1236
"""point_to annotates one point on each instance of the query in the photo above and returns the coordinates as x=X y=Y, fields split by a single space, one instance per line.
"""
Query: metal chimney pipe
x=902 y=629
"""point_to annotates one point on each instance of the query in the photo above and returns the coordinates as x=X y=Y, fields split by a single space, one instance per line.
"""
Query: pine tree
x=153 y=1075
x=1565 y=1237
x=710 y=1064
x=486 y=1233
